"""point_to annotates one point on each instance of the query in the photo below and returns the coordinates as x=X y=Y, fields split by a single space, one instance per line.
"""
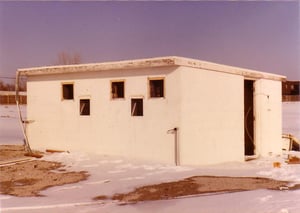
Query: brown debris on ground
x=293 y=160
x=29 y=178
x=11 y=151
x=198 y=185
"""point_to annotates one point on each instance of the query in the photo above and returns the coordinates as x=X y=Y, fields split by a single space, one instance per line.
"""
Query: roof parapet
x=148 y=63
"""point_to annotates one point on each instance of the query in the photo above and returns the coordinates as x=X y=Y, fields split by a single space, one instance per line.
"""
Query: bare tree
x=6 y=86
x=65 y=58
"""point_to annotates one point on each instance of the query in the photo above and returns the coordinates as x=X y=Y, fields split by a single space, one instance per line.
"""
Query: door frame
x=249 y=118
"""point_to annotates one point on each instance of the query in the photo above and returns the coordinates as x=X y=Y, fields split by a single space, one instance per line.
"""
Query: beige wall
x=212 y=117
x=206 y=106
x=110 y=128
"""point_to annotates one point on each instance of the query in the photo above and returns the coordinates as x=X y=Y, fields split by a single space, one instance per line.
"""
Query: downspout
x=176 y=145
x=22 y=123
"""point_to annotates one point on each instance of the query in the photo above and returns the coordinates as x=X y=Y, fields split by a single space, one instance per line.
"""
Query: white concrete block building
x=129 y=108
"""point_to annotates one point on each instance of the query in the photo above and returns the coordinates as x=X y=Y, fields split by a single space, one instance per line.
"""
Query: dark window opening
x=156 y=88
x=117 y=89
x=137 y=107
x=68 y=91
x=84 y=106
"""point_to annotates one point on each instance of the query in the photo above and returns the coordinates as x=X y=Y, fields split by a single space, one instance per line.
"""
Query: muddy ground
x=198 y=185
x=27 y=176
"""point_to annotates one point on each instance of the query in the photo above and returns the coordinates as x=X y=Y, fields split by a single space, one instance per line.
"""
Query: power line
x=11 y=78
x=7 y=77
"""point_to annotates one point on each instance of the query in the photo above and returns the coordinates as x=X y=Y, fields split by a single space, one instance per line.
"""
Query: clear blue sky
x=256 y=35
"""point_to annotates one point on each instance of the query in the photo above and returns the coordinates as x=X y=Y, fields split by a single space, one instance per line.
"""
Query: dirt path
x=31 y=177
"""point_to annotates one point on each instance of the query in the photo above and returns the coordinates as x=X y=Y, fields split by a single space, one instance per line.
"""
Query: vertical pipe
x=176 y=145
x=26 y=142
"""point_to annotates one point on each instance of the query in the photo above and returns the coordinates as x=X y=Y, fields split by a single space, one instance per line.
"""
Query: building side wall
x=212 y=113
x=268 y=117
x=110 y=129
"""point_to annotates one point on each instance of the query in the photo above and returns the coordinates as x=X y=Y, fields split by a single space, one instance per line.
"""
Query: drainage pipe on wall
x=176 y=144
x=22 y=123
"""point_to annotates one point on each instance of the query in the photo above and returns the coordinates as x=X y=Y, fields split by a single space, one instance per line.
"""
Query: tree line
x=63 y=58
x=11 y=86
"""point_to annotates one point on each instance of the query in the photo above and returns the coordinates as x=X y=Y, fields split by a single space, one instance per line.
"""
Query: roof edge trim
x=148 y=63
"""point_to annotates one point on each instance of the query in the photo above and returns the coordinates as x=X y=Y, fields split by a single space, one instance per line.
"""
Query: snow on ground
x=113 y=174
x=10 y=130
x=291 y=118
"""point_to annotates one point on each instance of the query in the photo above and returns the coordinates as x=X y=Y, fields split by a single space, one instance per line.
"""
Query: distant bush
x=11 y=86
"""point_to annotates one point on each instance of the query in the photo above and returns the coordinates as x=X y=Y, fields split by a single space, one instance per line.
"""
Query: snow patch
x=116 y=171
x=132 y=178
x=266 y=198
x=286 y=173
x=98 y=182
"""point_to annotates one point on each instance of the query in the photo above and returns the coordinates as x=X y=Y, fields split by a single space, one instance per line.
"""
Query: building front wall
x=110 y=128
x=212 y=113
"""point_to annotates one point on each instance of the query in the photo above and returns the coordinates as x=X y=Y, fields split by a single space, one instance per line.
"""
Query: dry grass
x=30 y=178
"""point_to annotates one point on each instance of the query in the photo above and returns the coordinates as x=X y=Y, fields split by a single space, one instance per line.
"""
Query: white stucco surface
x=212 y=117
x=110 y=128
x=206 y=105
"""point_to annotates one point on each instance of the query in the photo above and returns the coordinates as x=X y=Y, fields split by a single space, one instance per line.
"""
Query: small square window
x=137 y=107
x=156 y=87
x=117 y=89
x=84 y=106
x=68 y=91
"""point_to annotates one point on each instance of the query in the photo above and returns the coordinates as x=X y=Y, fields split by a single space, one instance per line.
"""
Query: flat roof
x=149 y=63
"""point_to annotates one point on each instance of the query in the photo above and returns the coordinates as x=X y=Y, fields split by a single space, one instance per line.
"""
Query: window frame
x=111 y=89
x=139 y=113
x=63 y=84
x=81 y=109
x=163 y=89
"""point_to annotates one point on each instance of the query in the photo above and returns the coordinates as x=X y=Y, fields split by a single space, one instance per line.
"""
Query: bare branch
x=65 y=58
